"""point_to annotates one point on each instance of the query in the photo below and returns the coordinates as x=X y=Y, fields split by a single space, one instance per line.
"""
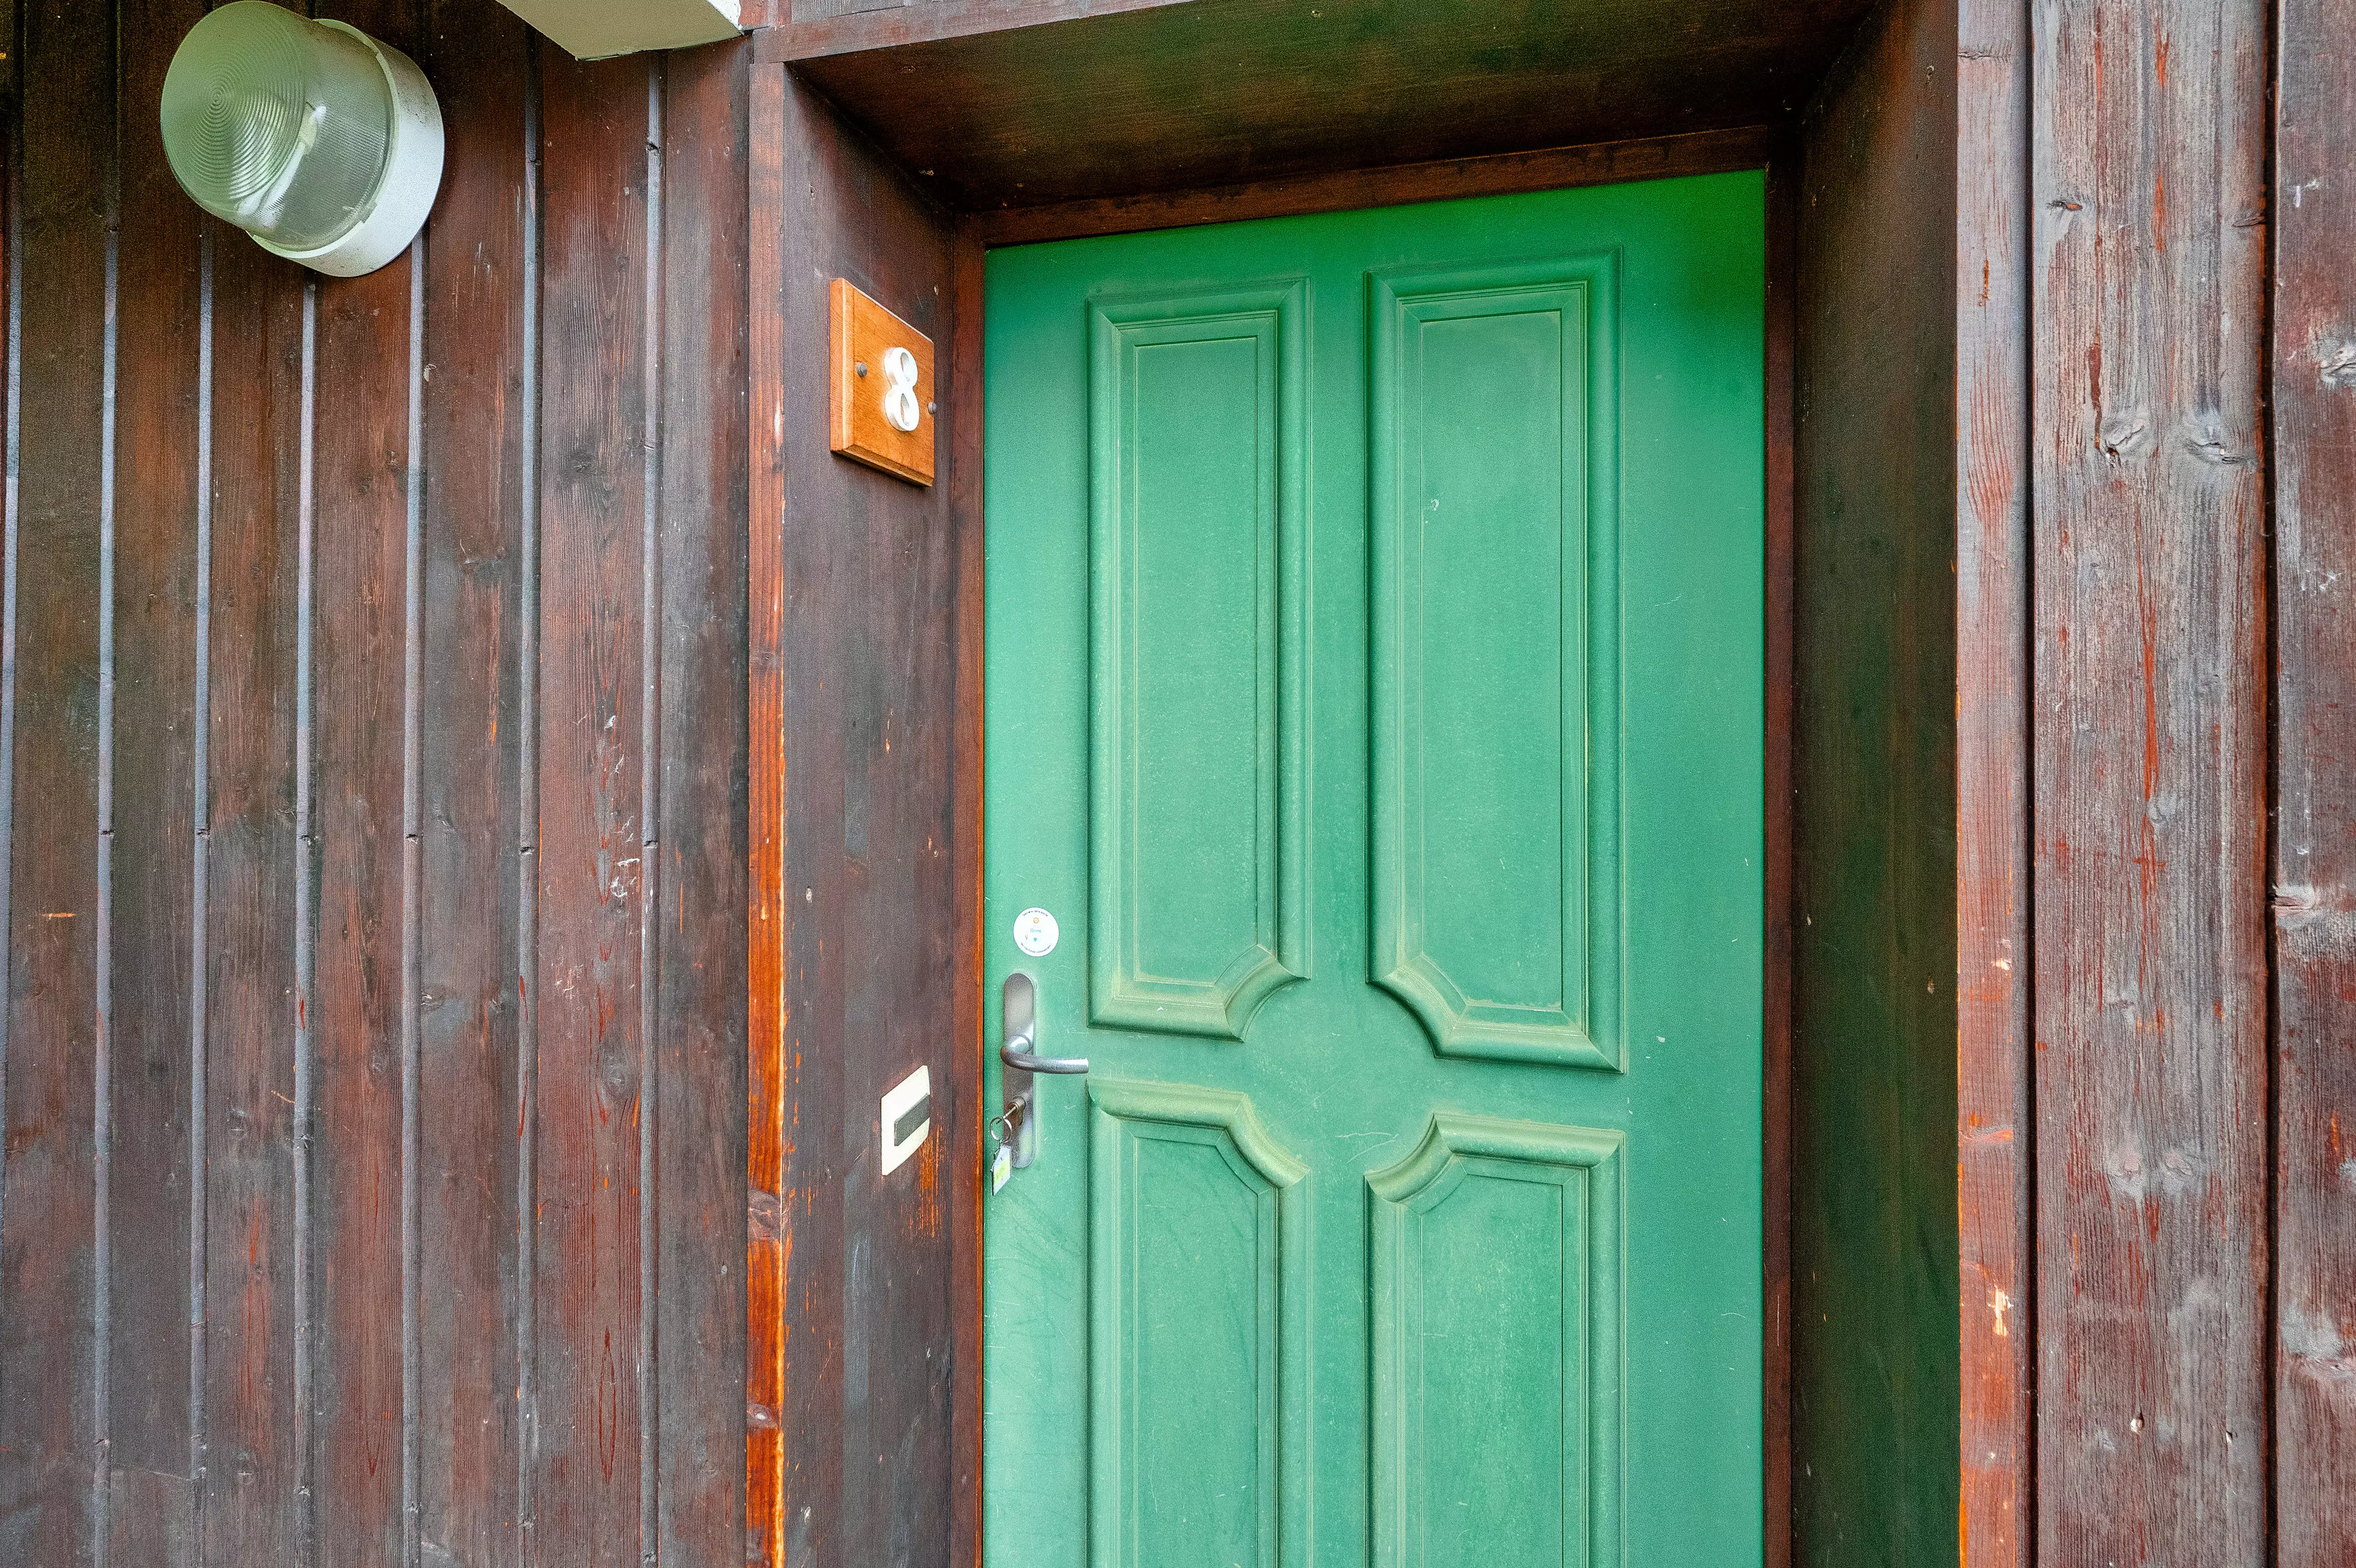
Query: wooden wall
x=372 y=723
x=2155 y=448
x=865 y=1368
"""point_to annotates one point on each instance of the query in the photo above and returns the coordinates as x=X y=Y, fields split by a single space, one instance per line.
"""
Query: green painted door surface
x=1376 y=701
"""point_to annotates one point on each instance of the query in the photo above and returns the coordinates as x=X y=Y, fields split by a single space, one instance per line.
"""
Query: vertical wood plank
x=262 y=347
x=474 y=422
x=700 y=833
x=870 y=889
x=1992 y=722
x=2150 y=748
x=50 y=1507
x=768 y=1246
x=814 y=598
x=592 y=1062
x=359 y=1020
x=2314 y=400
x=151 y=1512
x=1874 y=1413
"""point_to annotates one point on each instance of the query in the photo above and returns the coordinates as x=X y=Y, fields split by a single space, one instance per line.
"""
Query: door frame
x=1604 y=163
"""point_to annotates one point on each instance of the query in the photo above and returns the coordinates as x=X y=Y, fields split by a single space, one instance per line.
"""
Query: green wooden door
x=1376 y=702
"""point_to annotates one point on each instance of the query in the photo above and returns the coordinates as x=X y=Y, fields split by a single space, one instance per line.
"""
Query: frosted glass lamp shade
x=323 y=144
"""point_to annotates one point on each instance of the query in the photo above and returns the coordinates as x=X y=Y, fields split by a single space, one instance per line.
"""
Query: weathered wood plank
x=592 y=1061
x=158 y=534
x=474 y=424
x=251 y=1015
x=359 y=1008
x=1992 y=569
x=814 y=598
x=51 y=1386
x=768 y=1248
x=2313 y=398
x=1873 y=1266
x=2149 y=786
x=870 y=887
x=700 y=830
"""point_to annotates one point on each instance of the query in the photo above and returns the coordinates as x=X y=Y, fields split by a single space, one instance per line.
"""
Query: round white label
x=1034 y=932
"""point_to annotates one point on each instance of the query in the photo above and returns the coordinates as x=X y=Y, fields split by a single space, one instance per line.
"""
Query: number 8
x=900 y=404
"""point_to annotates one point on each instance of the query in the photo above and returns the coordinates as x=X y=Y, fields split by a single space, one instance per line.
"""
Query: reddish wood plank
x=812 y=720
x=768 y=1246
x=151 y=1508
x=2150 y=783
x=700 y=833
x=2313 y=398
x=1992 y=569
x=359 y=1006
x=51 y=1385
x=468 y=788
x=247 y=1495
x=591 y=1063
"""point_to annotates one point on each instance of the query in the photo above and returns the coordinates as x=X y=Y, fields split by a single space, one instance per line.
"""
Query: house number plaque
x=882 y=399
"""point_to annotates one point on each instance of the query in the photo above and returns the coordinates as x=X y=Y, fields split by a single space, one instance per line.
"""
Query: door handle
x=1021 y=1011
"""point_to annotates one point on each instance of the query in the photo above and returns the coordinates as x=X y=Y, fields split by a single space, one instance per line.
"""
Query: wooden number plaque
x=883 y=402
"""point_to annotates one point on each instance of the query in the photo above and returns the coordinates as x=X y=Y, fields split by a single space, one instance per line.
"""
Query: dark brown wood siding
x=1873 y=1028
x=374 y=727
x=866 y=684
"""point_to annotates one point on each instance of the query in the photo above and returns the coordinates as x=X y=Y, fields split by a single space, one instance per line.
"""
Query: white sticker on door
x=1034 y=932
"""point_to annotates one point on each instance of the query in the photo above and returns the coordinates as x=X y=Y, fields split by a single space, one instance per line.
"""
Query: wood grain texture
x=151 y=1504
x=1599 y=163
x=1874 y=1400
x=275 y=780
x=260 y=466
x=1227 y=91
x=2149 y=782
x=1992 y=720
x=700 y=828
x=360 y=1005
x=866 y=585
x=768 y=1090
x=593 y=1059
x=469 y=792
x=2314 y=402
x=52 y=1394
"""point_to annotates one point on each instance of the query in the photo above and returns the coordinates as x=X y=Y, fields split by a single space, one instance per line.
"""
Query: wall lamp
x=323 y=144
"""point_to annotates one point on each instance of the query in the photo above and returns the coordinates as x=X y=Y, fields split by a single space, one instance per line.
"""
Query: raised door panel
x=1496 y=1299
x=1198 y=1334
x=1494 y=614
x=1195 y=456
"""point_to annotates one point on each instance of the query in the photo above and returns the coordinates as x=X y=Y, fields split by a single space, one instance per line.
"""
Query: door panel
x=1194 y=445
x=1495 y=742
x=1374 y=697
x=1199 y=1307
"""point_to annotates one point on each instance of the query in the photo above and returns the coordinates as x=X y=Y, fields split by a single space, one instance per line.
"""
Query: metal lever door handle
x=1020 y=1001
x=1016 y=1053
